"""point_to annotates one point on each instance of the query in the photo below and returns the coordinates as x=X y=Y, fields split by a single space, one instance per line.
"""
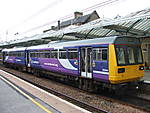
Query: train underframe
x=83 y=83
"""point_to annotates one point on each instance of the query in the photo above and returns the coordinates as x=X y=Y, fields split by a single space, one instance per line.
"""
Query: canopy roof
x=135 y=24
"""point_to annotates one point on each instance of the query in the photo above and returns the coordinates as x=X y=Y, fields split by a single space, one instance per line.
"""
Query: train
x=114 y=62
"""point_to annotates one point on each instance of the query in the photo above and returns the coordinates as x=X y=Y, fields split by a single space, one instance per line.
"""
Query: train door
x=4 y=55
x=86 y=62
x=28 y=58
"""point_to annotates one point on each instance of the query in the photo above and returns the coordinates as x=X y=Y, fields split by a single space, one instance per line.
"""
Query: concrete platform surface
x=146 y=77
x=13 y=101
x=57 y=104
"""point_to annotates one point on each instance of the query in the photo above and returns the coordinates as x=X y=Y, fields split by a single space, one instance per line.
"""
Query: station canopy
x=135 y=24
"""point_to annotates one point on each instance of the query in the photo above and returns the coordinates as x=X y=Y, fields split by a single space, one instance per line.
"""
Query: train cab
x=125 y=60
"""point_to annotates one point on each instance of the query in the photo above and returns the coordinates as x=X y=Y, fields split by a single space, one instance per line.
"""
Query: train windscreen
x=129 y=54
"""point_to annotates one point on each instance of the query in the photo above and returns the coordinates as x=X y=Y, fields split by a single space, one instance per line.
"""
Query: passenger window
x=22 y=54
x=96 y=54
x=47 y=55
x=18 y=54
x=62 y=54
x=72 y=53
x=100 y=54
x=36 y=54
x=32 y=54
x=54 y=53
x=104 y=54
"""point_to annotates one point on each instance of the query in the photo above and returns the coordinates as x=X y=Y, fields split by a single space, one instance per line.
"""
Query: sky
x=22 y=16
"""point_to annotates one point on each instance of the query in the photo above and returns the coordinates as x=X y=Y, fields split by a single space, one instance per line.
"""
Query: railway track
x=72 y=100
x=139 y=100
x=136 y=102
x=129 y=101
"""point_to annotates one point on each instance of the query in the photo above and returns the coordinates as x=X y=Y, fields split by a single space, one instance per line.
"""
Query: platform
x=22 y=97
x=14 y=101
x=146 y=77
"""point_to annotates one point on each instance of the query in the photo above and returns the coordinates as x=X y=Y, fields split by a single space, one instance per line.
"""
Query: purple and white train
x=110 y=62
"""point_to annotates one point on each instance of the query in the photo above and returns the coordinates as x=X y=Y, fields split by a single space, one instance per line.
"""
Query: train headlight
x=141 y=68
x=121 y=70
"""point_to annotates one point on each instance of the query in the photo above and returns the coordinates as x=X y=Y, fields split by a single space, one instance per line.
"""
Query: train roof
x=86 y=42
x=15 y=49
x=61 y=44
x=106 y=40
x=37 y=47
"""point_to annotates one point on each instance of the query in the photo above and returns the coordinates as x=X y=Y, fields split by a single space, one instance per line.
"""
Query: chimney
x=58 y=24
x=78 y=14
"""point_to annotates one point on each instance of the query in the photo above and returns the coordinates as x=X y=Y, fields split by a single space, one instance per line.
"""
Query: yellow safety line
x=30 y=98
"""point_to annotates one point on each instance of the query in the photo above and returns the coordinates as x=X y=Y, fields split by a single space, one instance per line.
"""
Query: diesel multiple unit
x=109 y=62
